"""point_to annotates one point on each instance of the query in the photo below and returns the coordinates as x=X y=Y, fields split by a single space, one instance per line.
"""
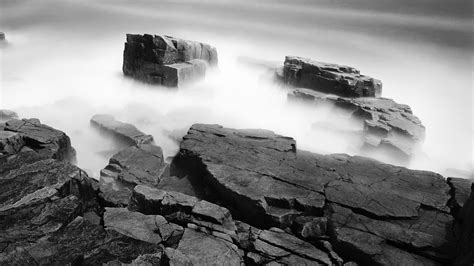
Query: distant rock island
x=165 y=60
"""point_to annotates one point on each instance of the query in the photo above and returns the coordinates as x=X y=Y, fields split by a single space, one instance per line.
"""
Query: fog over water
x=64 y=59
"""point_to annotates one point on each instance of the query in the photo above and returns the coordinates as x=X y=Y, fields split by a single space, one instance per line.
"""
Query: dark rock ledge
x=165 y=60
x=276 y=205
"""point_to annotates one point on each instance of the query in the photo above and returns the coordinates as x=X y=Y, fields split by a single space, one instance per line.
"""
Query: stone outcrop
x=165 y=60
x=27 y=140
x=125 y=133
x=328 y=78
x=376 y=213
x=273 y=204
x=388 y=126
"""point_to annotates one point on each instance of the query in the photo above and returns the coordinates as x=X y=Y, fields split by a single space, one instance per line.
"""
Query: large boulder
x=377 y=213
x=328 y=78
x=165 y=60
x=389 y=128
x=125 y=133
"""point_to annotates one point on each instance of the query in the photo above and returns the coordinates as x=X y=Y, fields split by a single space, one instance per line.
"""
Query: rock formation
x=376 y=213
x=165 y=60
x=328 y=78
x=273 y=204
x=140 y=163
x=388 y=126
x=390 y=130
x=29 y=139
x=130 y=167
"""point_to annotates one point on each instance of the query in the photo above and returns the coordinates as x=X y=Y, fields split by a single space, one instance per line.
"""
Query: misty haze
x=250 y=132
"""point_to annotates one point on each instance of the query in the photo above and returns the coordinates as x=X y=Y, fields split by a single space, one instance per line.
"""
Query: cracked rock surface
x=272 y=204
x=377 y=213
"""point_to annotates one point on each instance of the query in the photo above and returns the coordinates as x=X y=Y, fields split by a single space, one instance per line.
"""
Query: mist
x=63 y=65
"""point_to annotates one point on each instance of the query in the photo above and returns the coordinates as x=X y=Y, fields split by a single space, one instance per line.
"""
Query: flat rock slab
x=268 y=182
x=328 y=78
x=388 y=127
x=165 y=60
x=124 y=132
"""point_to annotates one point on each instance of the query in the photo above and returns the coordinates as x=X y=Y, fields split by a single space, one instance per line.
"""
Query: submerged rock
x=388 y=127
x=377 y=213
x=328 y=78
x=123 y=132
x=165 y=60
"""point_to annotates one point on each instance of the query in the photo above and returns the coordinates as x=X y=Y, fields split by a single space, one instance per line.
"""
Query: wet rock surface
x=389 y=128
x=328 y=78
x=272 y=204
x=165 y=60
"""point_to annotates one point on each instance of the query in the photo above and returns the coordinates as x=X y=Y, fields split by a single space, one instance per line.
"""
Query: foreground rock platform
x=165 y=60
x=377 y=213
x=388 y=127
x=328 y=78
x=273 y=205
